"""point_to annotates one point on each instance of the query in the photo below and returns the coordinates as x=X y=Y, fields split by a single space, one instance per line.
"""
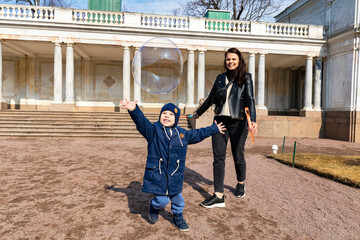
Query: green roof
x=218 y=14
x=105 y=5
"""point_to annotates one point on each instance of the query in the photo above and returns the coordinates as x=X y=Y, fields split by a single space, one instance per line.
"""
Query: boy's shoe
x=180 y=223
x=213 y=201
x=240 y=190
x=153 y=214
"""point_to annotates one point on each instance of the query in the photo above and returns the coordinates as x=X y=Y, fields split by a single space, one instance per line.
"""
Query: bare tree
x=54 y=3
x=251 y=10
x=176 y=11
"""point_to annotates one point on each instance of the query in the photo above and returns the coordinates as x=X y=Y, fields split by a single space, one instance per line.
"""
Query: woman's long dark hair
x=239 y=73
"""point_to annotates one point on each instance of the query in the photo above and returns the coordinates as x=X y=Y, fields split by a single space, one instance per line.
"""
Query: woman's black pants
x=237 y=131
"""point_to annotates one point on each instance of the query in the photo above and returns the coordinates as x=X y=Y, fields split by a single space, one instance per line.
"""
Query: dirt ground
x=55 y=188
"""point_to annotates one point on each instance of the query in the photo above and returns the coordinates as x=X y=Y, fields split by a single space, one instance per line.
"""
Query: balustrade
x=292 y=30
x=159 y=21
x=26 y=12
x=97 y=17
x=216 y=25
x=142 y=20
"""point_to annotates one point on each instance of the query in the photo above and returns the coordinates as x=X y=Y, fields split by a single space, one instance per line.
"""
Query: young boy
x=165 y=165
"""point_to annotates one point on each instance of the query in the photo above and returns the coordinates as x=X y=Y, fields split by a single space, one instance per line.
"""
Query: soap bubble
x=161 y=65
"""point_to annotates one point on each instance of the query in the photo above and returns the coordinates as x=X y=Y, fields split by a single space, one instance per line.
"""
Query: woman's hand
x=194 y=115
x=253 y=127
x=221 y=127
x=128 y=105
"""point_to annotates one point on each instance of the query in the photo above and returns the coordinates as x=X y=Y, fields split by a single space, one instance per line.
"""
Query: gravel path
x=55 y=188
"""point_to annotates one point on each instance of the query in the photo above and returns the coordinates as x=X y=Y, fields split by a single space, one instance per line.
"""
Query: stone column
x=1 y=73
x=317 y=83
x=3 y=104
x=126 y=73
x=201 y=75
x=252 y=69
x=57 y=73
x=137 y=75
x=308 y=84
x=260 y=97
x=69 y=73
x=190 y=82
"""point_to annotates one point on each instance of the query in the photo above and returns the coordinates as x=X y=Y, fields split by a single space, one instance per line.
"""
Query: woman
x=231 y=93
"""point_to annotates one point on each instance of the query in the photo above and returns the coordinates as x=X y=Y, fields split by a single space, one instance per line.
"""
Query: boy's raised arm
x=143 y=125
x=128 y=105
x=197 y=135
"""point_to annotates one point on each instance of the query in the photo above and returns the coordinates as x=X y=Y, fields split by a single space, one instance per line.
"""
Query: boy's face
x=167 y=118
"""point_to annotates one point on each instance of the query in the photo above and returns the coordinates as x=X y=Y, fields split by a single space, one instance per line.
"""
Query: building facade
x=80 y=60
x=341 y=91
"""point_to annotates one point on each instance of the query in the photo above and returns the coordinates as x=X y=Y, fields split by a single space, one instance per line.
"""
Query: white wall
x=338 y=14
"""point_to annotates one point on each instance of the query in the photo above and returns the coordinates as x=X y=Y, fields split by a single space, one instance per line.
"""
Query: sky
x=163 y=7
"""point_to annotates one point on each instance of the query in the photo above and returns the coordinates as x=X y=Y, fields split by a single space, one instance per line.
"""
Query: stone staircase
x=72 y=124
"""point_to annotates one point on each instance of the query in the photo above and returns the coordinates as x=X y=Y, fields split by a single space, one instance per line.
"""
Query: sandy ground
x=55 y=188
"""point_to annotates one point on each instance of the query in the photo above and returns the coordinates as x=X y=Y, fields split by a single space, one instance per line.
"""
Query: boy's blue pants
x=177 y=202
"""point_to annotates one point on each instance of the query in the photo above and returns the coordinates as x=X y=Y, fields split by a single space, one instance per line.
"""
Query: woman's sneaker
x=180 y=223
x=240 y=190
x=213 y=201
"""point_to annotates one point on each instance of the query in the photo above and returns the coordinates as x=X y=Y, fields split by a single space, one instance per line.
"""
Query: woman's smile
x=232 y=61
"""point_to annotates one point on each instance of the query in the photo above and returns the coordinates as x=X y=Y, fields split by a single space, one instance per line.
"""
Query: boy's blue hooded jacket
x=165 y=165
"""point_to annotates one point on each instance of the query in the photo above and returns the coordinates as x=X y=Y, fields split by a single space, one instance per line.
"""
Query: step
x=71 y=124
x=70 y=128
x=138 y=135
x=64 y=131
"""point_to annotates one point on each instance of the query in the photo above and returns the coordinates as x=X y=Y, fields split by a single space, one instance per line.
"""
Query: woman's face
x=232 y=61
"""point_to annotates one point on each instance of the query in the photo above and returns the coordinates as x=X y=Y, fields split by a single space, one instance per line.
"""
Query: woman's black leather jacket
x=239 y=98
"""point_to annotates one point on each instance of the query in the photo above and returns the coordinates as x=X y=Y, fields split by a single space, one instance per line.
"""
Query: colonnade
x=190 y=99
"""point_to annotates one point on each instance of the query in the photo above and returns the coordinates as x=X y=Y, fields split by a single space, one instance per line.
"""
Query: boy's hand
x=221 y=127
x=128 y=105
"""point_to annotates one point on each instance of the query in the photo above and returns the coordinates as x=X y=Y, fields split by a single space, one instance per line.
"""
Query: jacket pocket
x=153 y=166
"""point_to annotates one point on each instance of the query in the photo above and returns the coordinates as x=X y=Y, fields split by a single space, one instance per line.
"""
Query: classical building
x=341 y=85
x=80 y=60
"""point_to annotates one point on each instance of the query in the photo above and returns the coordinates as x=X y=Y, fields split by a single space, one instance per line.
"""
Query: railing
x=287 y=29
x=216 y=25
x=142 y=20
x=97 y=17
x=162 y=21
x=26 y=12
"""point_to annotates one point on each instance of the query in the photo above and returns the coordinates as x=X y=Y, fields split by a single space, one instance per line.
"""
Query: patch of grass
x=344 y=169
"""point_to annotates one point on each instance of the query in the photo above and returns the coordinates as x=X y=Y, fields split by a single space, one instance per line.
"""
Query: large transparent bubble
x=160 y=62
